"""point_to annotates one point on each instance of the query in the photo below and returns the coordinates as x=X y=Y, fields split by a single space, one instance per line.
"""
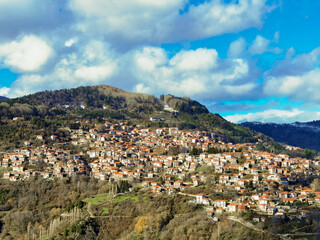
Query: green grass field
x=105 y=211
x=104 y=197
x=123 y=198
x=98 y=199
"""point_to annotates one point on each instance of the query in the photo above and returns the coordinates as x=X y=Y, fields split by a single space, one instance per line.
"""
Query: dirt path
x=244 y=223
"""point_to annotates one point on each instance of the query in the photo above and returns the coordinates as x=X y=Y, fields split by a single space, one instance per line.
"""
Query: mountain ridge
x=104 y=102
x=2 y=98
x=299 y=134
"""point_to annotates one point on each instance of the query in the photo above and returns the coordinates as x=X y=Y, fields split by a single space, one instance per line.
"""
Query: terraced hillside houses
x=227 y=178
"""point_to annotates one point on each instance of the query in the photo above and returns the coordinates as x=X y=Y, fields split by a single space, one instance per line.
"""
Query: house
x=151 y=174
x=178 y=184
x=93 y=153
x=257 y=178
x=289 y=200
x=317 y=199
x=202 y=199
x=6 y=175
x=219 y=210
x=46 y=175
x=220 y=203
x=146 y=184
x=18 y=169
x=13 y=178
x=271 y=210
x=54 y=137
x=232 y=207
x=196 y=182
x=242 y=207
x=40 y=137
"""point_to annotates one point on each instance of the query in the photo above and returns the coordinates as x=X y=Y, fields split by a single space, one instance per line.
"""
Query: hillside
x=106 y=103
x=2 y=98
x=67 y=174
x=304 y=135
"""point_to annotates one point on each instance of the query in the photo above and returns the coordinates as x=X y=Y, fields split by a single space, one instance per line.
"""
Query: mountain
x=300 y=134
x=102 y=100
x=105 y=102
x=3 y=98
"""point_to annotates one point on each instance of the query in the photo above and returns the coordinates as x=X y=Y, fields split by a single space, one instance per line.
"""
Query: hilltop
x=106 y=103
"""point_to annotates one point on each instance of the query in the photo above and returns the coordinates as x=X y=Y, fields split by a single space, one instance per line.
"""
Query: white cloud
x=303 y=87
x=4 y=91
x=158 y=20
x=275 y=115
x=276 y=37
x=150 y=58
x=200 y=59
x=195 y=73
x=215 y=17
x=295 y=77
x=296 y=65
x=95 y=64
x=94 y=73
x=198 y=73
x=140 y=88
x=237 y=48
x=260 y=45
x=27 y=54
x=191 y=86
x=240 y=90
x=37 y=27
x=135 y=19
x=71 y=42
x=31 y=16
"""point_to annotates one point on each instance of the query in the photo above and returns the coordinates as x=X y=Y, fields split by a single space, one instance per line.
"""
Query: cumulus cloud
x=261 y=45
x=160 y=20
x=215 y=17
x=132 y=20
x=275 y=115
x=140 y=88
x=237 y=48
x=4 y=91
x=198 y=73
x=31 y=16
x=71 y=42
x=295 y=65
x=68 y=27
x=95 y=64
x=295 y=77
x=303 y=87
x=200 y=59
x=26 y=55
x=195 y=73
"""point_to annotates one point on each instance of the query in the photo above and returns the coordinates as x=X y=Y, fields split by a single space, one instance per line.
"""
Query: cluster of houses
x=161 y=161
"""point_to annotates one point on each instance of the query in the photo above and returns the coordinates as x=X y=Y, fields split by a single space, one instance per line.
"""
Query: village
x=171 y=161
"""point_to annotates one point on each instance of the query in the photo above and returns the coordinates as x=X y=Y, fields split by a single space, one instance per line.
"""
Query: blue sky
x=248 y=60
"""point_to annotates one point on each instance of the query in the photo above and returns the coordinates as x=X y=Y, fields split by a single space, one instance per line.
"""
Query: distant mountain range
x=300 y=134
x=3 y=98
x=105 y=102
